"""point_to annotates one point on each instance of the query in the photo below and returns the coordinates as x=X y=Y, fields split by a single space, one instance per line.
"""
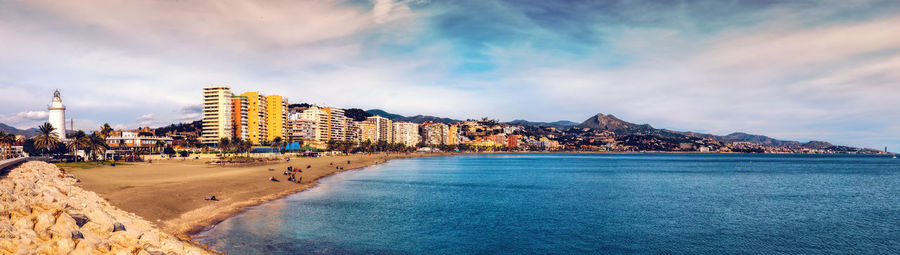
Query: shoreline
x=238 y=208
x=170 y=192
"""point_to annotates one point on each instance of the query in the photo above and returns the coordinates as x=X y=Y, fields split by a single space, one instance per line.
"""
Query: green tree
x=277 y=143
x=105 y=130
x=169 y=151
x=224 y=145
x=45 y=140
x=160 y=144
x=78 y=141
x=97 y=146
x=6 y=141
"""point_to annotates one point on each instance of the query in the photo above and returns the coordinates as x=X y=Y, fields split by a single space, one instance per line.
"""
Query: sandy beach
x=171 y=192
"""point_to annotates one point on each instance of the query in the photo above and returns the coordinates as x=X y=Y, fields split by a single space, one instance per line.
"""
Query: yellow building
x=277 y=113
x=257 y=117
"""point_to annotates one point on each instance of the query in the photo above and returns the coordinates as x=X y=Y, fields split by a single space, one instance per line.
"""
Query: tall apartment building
x=383 y=128
x=217 y=123
x=300 y=130
x=338 y=124
x=239 y=117
x=330 y=124
x=277 y=114
x=257 y=117
x=406 y=133
x=367 y=131
x=439 y=133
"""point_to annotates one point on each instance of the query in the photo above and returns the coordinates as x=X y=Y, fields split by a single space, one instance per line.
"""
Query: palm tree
x=224 y=144
x=97 y=145
x=105 y=130
x=6 y=140
x=277 y=143
x=46 y=140
x=79 y=141
x=160 y=145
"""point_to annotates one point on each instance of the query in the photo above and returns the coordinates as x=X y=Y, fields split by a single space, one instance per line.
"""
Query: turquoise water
x=585 y=204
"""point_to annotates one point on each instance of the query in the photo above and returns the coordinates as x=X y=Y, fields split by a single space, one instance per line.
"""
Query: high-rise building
x=383 y=128
x=277 y=116
x=451 y=136
x=406 y=133
x=216 y=121
x=330 y=124
x=439 y=134
x=319 y=118
x=300 y=130
x=239 y=117
x=257 y=117
x=57 y=118
x=338 y=124
x=368 y=131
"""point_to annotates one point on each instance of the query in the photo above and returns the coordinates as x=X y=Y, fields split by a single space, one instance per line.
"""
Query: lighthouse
x=58 y=116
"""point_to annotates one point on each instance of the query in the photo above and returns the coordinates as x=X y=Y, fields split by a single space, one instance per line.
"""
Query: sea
x=542 y=203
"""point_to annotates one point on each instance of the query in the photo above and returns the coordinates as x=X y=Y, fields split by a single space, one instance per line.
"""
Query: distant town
x=255 y=122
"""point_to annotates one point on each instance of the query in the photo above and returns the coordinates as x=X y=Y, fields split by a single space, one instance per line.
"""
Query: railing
x=9 y=163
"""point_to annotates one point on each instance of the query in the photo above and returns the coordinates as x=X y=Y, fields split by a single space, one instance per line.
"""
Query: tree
x=224 y=145
x=160 y=144
x=6 y=141
x=357 y=114
x=97 y=146
x=105 y=130
x=46 y=140
x=169 y=151
x=277 y=143
x=78 y=141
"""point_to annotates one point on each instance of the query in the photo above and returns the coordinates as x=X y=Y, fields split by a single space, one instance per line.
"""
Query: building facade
x=276 y=111
x=239 y=118
x=217 y=114
x=257 y=117
x=383 y=128
x=406 y=133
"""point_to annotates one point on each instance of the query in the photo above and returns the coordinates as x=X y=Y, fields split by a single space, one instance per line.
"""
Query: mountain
x=413 y=119
x=12 y=130
x=621 y=127
x=556 y=124
x=618 y=126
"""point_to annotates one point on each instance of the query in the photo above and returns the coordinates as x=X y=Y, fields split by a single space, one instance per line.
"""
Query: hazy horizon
x=795 y=70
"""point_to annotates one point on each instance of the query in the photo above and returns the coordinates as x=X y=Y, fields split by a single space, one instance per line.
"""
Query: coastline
x=154 y=190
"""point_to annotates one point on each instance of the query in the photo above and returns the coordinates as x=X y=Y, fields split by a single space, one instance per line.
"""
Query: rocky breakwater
x=43 y=212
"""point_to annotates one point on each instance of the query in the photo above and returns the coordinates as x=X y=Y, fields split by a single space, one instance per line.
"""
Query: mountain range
x=13 y=130
x=600 y=122
x=611 y=123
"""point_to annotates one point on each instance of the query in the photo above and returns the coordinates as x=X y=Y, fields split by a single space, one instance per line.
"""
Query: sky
x=800 y=70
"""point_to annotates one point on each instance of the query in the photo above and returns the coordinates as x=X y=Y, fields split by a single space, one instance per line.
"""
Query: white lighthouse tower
x=58 y=115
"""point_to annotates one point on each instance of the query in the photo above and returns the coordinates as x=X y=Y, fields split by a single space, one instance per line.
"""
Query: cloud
x=795 y=70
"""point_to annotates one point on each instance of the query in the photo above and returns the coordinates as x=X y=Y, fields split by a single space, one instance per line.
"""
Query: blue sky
x=803 y=70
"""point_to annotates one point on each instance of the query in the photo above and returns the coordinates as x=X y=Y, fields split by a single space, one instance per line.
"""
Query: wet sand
x=171 y=192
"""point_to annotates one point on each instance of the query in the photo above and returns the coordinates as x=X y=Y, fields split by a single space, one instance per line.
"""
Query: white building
x=406 y=133
x=217 y=116
x=58 y=116
x=383 y=128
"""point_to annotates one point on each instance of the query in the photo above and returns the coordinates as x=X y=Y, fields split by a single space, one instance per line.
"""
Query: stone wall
x=43 y=212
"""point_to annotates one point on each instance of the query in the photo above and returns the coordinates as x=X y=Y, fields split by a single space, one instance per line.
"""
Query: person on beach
x=272 y=178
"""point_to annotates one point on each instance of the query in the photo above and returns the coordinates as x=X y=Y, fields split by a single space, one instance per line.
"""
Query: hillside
x=16 y=131
x=621 y=127
x=413 y=119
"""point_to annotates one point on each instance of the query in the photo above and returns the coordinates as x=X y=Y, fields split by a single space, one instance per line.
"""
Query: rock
x=80 y=219
x=43 y=222
x=118 y=227
x=77 y=235
x=42 y=212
